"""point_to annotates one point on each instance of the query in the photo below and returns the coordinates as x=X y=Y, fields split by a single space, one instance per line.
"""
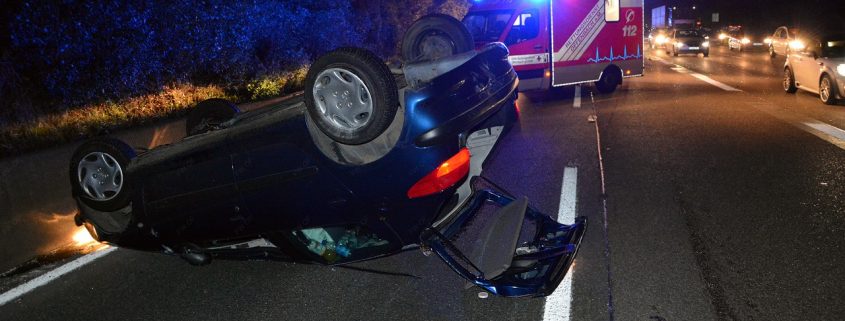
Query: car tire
x=351 y=95
x=208 y=115
x=827 y=90
x=98 y=173
x=608 y=81
x=435 y=36
x=789 y=81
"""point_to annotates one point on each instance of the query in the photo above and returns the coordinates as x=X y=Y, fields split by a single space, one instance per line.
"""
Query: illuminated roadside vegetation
x=76 y=69
x=98 y=119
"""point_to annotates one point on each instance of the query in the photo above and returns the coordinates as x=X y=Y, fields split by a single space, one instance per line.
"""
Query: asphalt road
x=721 y=205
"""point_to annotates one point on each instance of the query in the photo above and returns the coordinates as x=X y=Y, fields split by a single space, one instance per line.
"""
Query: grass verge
x=97 y=119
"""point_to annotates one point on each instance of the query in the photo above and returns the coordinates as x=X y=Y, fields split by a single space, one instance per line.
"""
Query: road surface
x=724 y=199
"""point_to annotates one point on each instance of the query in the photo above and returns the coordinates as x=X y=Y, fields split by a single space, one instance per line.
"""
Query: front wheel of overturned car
x=208 y=115
x=351 y=95
x=98 y=173
x=435 y=36
x=788 y=81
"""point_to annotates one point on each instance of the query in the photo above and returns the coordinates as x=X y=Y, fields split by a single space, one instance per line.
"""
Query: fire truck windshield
x=487 y=26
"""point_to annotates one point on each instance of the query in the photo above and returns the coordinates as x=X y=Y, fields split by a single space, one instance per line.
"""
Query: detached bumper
x=517 y=252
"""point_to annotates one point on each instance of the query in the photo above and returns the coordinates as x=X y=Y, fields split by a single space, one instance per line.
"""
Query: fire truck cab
x=556 y=43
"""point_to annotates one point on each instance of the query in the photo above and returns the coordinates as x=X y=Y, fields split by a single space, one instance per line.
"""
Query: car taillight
x=444 y=176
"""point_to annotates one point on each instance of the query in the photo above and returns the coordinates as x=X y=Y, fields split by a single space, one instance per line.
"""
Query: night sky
x=767 y=15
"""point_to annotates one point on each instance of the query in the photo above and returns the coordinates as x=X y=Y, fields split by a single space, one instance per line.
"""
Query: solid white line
x=52 y=275
x=576 y=103
x=559 y=304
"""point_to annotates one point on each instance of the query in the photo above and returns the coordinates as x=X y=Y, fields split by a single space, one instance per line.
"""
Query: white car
x=785 y=40
x=742 y=41
x=819 y=68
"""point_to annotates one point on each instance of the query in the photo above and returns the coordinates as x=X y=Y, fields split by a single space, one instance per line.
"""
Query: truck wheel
x=608 y=81
x=435 y=36
x=827 y=91
x=97 y=173
x=208 y=115
x=351 y=95
x=788 y=81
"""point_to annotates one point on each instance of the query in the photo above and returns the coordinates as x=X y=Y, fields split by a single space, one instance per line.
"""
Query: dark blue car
x=368 y=162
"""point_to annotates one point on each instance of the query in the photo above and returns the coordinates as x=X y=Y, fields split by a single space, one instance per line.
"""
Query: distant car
x=742 y=41
x=819 y=68
x=658 y=37
x=368 y=162
x=689 y=41
x=785 y=40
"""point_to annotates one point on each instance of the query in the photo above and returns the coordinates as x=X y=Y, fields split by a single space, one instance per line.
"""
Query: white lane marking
x=576 y=103
x=826 y=132
x=683 y=70
x=713 y=82
x=559 y=304
x=827 y=129
x=53 y=275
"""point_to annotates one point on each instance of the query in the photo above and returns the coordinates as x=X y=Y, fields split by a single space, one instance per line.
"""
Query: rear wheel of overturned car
x=208 y=115
x=788 y=81
x=435 y=36
x=351 y=95
x=827 y=91
x=98 y=173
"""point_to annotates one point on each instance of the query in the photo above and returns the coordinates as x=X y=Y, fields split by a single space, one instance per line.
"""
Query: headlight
x=796 y=44
x=679 y=44
x=768 y=41
x=745 y=41
x=722 y=36
x=705 y=44
x=841 y=70
x=660 y=39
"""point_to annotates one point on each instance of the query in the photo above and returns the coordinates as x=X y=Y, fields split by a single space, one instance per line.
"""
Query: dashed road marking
x=683 y=70
x=559 y=304
x=826 y=132
x=576 y=102
x=45 y=278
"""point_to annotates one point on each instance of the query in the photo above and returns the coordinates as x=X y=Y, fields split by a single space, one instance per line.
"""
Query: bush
x=61 y=56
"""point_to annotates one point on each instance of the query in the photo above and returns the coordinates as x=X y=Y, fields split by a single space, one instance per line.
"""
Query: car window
x=526 y=26
x=688 y=33
x=611 y=10
x=833 y=48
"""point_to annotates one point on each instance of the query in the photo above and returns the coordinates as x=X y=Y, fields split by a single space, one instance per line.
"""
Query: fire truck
x=557 y=43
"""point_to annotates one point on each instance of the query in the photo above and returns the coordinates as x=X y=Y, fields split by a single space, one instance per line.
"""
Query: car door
x=291 y=193
x=807 y=72
x=189 y=191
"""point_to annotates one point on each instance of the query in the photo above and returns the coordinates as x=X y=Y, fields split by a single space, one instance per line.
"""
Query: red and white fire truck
x=556 y=43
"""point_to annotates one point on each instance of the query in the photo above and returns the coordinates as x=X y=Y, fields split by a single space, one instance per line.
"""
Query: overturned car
x=368 y=162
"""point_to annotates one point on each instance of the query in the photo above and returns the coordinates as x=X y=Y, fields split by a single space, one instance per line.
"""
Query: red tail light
x=447 y=174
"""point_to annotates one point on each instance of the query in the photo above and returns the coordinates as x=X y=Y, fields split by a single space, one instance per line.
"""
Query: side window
x=611 y=10
x=526 y=26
